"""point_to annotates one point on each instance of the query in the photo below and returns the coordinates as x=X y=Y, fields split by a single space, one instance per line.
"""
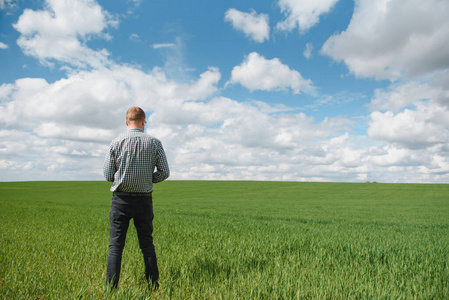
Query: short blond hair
x=135 y=114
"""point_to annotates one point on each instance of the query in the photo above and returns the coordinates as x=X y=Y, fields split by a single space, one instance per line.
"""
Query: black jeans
x=124 y=207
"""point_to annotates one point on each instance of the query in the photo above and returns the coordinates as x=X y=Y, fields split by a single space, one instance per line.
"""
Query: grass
x=231 y=240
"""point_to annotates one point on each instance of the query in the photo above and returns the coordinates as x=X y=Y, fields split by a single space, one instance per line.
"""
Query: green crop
x=231 y=240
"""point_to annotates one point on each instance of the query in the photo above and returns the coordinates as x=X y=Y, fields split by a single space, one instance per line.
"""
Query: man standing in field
x=134 y=162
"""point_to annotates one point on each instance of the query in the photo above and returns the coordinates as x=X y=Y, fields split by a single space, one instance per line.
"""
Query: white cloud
x=399 y=96
x=166 y=45
x=134 y=37
x=258 y=73
x=3 y=46
x=303 y=14
x=411 y=115
x=391 y=156
x=86 y=105
x=52 y=124
x=57 y=32
x=78 y=133
x=218 y=138
x=60 y=130
x=25 y=156
x=205 y=86
x=424 y=127
x=308 y=50
x=8 y=4
x=252 y=24
x=391 y=39
x=397 y=164
x=136 y=2
x=226 y=139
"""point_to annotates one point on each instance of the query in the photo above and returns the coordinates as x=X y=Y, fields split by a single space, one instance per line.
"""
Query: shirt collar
x=135 y=130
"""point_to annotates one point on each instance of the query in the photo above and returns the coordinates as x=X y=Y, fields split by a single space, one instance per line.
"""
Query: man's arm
x=109 y=165
x=162 y=170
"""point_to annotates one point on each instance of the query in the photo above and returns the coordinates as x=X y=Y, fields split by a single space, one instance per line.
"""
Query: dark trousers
x=124 y=207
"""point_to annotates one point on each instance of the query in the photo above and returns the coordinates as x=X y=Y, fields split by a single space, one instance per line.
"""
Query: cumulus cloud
x=82 y=114
x=208 y=138
x=60 y=130
x=205 y=139
x=90 y=99
x=411 y=115
x=252 y=24
x=59 y=32
x=303 y=14
x=425 y=126
x=399 y=96
x=25 y=156
x=226 y=139
x=397 y=164
x=391 y=39
x=258 y=73
x=3 y=46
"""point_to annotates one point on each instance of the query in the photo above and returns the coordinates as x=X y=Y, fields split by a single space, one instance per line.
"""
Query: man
x=133 y=163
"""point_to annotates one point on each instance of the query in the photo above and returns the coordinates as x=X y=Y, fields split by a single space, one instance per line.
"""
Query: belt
x=132 y=194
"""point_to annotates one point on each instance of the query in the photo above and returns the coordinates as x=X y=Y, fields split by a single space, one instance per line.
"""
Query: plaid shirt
x=131 y=161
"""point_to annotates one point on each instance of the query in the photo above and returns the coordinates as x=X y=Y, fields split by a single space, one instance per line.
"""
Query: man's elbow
x=160 y=176
x=166 y=174
x=108 y=177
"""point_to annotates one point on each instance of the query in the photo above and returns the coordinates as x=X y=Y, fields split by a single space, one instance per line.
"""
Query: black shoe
x=153 y=286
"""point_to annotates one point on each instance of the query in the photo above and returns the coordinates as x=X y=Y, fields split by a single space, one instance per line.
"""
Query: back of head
x=135 y=114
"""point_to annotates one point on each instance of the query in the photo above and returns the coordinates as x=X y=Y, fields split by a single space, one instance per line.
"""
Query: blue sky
x=288 y=90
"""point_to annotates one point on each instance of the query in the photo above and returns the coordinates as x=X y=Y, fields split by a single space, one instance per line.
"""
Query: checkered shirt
x=131 y=161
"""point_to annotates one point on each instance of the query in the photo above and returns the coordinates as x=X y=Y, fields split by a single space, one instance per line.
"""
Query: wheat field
x=231 y=240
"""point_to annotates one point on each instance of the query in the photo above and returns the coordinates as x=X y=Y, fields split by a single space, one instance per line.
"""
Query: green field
x=231 y=240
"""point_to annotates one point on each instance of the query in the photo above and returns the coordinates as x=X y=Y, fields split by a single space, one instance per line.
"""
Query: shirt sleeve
x=162 y=170
x=109 y=165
